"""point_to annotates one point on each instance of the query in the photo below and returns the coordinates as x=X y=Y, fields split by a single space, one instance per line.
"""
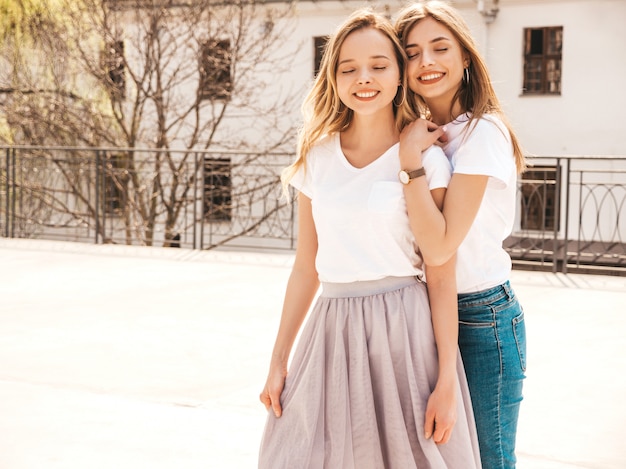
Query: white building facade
x=557 y=67
x=582 y=117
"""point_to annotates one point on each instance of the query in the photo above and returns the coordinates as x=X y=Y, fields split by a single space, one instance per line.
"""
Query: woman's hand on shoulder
x=421 y=134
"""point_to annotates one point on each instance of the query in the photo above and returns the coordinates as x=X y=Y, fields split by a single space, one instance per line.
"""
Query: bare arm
x=441 y=410
x=301 y=289
x=438 y=233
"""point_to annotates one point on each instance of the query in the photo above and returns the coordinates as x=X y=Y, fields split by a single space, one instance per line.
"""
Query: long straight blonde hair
x=323 y=112
x=475 y=95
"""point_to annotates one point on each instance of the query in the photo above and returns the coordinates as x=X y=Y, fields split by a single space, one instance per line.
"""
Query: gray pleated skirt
x=358 y=384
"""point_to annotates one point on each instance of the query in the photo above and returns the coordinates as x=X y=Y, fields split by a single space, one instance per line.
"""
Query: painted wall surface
x=587 y=118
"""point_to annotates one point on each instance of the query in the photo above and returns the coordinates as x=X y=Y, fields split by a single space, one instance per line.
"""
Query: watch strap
x=419 y=172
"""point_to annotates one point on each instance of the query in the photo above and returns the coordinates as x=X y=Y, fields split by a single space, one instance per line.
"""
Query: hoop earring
x=466 y=75
x=403 y=96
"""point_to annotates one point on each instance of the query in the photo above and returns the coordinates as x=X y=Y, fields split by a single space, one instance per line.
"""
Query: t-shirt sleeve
x=437 y=167
x=487 y=150
x=303 y=181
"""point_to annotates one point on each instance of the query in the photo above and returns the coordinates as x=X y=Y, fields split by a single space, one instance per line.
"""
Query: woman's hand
x=441 y=411
x=270 y=396
x=302 y=287
x=420 y=135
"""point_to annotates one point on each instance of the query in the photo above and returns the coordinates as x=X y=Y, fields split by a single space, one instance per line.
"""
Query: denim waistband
x=366 y=287
x=489 y=295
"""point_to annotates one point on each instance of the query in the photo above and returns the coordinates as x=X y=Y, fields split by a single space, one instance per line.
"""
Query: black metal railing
x=174 y=198
x=570 y=217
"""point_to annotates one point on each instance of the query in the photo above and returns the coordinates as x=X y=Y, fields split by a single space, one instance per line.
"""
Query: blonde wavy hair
x=323 y=112
x=476 y=95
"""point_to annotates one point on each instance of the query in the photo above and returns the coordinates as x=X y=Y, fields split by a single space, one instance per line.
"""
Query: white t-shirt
x=487 y=150
x=360 y=214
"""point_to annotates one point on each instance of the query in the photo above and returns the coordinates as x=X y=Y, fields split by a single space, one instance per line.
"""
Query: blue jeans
x=492 y=340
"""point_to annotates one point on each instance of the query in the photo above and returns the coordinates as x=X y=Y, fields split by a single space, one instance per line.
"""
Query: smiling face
x=435 y=67
x=367 y=74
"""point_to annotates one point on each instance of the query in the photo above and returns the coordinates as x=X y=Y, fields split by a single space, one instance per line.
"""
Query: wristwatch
x=407 y=176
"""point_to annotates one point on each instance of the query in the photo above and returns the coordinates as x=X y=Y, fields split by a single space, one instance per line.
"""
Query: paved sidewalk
x=130 y=358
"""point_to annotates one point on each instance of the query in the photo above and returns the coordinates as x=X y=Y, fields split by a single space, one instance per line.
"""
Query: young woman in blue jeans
x=451 y=89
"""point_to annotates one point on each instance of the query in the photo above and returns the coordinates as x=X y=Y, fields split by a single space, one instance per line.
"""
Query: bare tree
x=162 y=80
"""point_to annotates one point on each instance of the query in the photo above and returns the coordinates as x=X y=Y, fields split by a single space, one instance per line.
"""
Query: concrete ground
x=130 y=358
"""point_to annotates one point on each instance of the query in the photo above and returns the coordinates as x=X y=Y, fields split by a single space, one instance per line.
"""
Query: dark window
x=542 y=60
x=539 y=199
x=113 y=62
x=116 y=180
x=217 y=189
x=319 y=44
x=215 y=63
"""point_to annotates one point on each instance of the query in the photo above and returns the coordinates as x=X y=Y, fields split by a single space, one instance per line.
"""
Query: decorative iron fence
x=570 y=217
x=174 y=198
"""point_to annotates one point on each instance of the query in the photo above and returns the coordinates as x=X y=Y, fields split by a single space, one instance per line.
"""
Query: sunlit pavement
x=129 y=358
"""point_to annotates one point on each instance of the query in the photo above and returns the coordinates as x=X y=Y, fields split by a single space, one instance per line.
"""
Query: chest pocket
x=385 y=197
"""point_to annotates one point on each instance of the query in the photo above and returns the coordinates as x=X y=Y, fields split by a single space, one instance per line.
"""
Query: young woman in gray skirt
x=376 y=380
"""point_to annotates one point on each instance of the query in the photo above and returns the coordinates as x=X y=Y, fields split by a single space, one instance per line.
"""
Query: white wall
x=586 y=119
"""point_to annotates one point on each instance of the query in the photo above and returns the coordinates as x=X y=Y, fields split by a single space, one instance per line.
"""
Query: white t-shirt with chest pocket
x=360 y=213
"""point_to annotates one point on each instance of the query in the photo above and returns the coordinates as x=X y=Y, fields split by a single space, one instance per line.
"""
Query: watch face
x=404 y=177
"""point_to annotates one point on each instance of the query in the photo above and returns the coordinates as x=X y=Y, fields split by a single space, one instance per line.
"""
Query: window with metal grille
x=542 y=60
x=113 y=63
x=116 y=179
x=319 y=43
x=217 y=189
x=215 y=64
x=539 y=198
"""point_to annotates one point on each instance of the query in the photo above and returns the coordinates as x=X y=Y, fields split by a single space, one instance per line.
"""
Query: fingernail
x=445 y=128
